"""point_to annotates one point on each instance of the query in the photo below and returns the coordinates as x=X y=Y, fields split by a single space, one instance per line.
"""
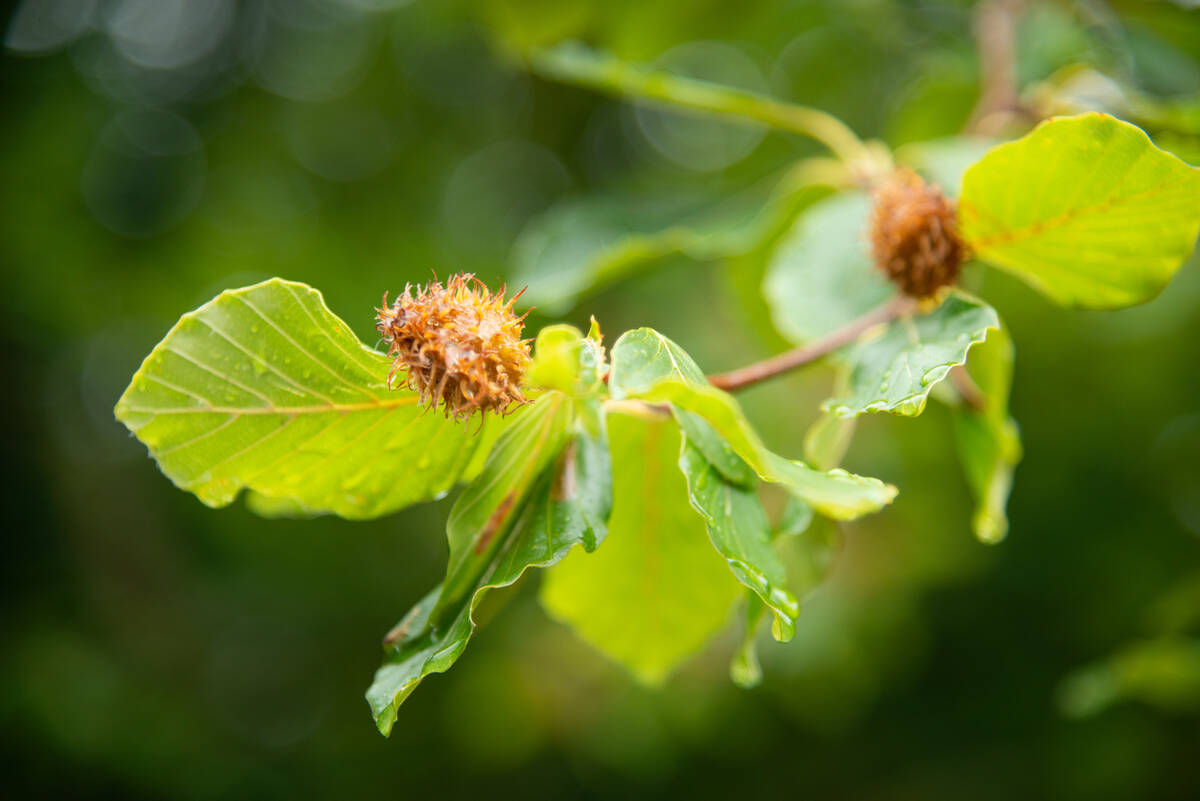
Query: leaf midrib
x=289 y=411
x=1059 y=221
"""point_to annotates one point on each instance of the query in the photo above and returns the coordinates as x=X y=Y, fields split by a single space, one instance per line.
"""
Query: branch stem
x=996 y=37
x=576 y=65
x=798 y=357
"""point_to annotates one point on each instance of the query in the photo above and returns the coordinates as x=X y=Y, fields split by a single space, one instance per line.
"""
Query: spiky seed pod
x=459 y=346
x=914 y=234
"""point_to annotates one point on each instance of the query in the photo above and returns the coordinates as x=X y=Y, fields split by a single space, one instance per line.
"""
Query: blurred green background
x=154 y=152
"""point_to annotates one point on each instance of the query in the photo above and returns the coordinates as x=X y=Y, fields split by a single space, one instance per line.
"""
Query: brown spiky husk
x=914 y=234
x=459 y=346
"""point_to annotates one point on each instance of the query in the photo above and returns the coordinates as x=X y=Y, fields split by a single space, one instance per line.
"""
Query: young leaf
x=895 y=371
x=533 y=502
x=1085 y=209
x=567 y=361
x=740 y=531
x=265 y=388
x=989 y=442
x=484 y=512
x=642 y=358
x=656 y=591
x=647 y=365
x=821 y=276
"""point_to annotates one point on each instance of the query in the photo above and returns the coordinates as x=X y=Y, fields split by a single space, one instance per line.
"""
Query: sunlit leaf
x=487 y=507
x=895 y=371
x=544 y=489
x=264 y=388
x=740 y=531
x=989 y=442
x=647 y=365
x=655 y=591
x=1086 y=209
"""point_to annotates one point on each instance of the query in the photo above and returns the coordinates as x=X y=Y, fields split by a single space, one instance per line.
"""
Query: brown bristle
x=914 y=234
x=459 y=346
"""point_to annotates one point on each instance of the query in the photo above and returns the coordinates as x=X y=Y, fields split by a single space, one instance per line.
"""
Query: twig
x=798 y=357
x=576 y=64
x=996 y=35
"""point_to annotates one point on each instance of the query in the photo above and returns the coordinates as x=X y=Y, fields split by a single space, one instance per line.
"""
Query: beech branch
x=582 y=67
x=798 y=357
x=996 y=36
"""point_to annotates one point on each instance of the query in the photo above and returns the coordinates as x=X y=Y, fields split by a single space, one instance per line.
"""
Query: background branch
x=575 y=64
x=996 y=36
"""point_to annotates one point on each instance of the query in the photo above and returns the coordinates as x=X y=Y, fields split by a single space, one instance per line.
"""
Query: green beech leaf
x=805 y=552
x=643 y=357
x=835 y=493
x=895 y=371
x=715 y=449
x=264 y=388
x=565 y=360
x=989 y=442
x=648 y=366
x=740 y=531
x=1085 y=209
x=821 y=276
x=485 y=510
x=582 y=245
x=545 y=488
x=647 y=358
x=655 y=592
